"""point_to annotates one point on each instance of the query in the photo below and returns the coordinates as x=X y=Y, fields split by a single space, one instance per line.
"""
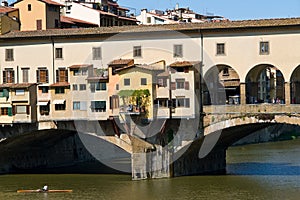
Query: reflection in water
x=264 y=171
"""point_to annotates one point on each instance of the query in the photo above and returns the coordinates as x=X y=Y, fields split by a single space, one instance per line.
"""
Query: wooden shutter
x=4 y=77
x=12 y=76
x=37 y=76
x=173 y=86
x=47 y=77
x=186 y=85
x=66 y=75
x=57 y=75
x=27 y=109
x=39 y=24
x=13 y=110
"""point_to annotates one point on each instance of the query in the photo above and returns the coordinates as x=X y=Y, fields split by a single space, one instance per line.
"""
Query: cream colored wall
x=242 y=52
x=38 y=10
x=185 y=112
x=61 y=114
x=25 y=56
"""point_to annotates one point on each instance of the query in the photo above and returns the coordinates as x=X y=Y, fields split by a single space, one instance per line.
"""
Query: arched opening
x=265 y=84
x=295 y=86
x=221 y=86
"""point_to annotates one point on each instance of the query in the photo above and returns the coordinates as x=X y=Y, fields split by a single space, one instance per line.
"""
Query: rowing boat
x=41 y=191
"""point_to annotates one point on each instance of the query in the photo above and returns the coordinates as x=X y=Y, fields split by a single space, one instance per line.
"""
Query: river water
x=260 y=171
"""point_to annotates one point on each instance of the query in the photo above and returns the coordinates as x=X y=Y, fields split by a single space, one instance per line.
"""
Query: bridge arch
x=265 y=84
x=221 y=85
x=295 y=86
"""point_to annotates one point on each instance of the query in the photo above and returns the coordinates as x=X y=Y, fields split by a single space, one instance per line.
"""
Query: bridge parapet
x=219 y=113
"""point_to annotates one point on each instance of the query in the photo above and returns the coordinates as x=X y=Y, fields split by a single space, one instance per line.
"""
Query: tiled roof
x=80 y=66
x=184 y=64
x=195 y=27
x=16 y=85
x=121 y=62
x=4 y=9
x=147 y=67
x=71 y=20
x=123 y=68
x=60 y=84
x=164 y=74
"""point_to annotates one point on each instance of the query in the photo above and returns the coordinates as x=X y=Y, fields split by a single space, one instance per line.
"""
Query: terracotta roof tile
x=17 y=85
x=60 y=84
x=184 y=64
x=121 y=62
x=71 y=20
x=207 y=26
x=4 y=9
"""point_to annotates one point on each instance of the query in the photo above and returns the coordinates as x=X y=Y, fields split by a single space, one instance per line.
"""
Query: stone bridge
x=71 y=146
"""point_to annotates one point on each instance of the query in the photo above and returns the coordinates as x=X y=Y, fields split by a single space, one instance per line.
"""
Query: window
x=76 y=105
x=162 y=103
x=220 y=49
x=127 y=82
x=226 y=71
x=8 y=76
x=42 y=76
x=98 y=86
x=114 y=101
x=59 y=90
x=25 y=74
x=82 y=87
x=178 y=52
x=162 y=82
x=117 y=87
x=21 y=109
x=20 y=92
x=9 y=55
x=149 y=20
x=98 y=106
x=60 y=106
x=179 y=83
x=97 y=53
x=79 y=105
x=44 y=89
x=58 y=53
x=56 y=22
x=182 y=102
x=61 y=75
x=4 y=111
x=29 y=7
x=38 y=24
x=75 y=87
x=143 y=81
x=137 y=51
x=264 y=48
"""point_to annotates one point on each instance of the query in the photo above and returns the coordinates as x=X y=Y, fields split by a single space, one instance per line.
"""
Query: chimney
x=4 y=3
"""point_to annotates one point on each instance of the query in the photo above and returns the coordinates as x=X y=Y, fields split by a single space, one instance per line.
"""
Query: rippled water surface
x=260 y=171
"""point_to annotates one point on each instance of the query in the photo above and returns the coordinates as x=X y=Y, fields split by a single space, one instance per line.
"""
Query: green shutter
x=10 y=112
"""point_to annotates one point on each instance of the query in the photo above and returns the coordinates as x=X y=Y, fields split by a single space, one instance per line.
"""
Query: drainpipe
x=53 y=59
x=18 y=74
x=200 y=82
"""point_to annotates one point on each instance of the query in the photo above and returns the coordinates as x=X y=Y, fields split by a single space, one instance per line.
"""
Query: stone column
x=287 y=91
x=243 y=93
